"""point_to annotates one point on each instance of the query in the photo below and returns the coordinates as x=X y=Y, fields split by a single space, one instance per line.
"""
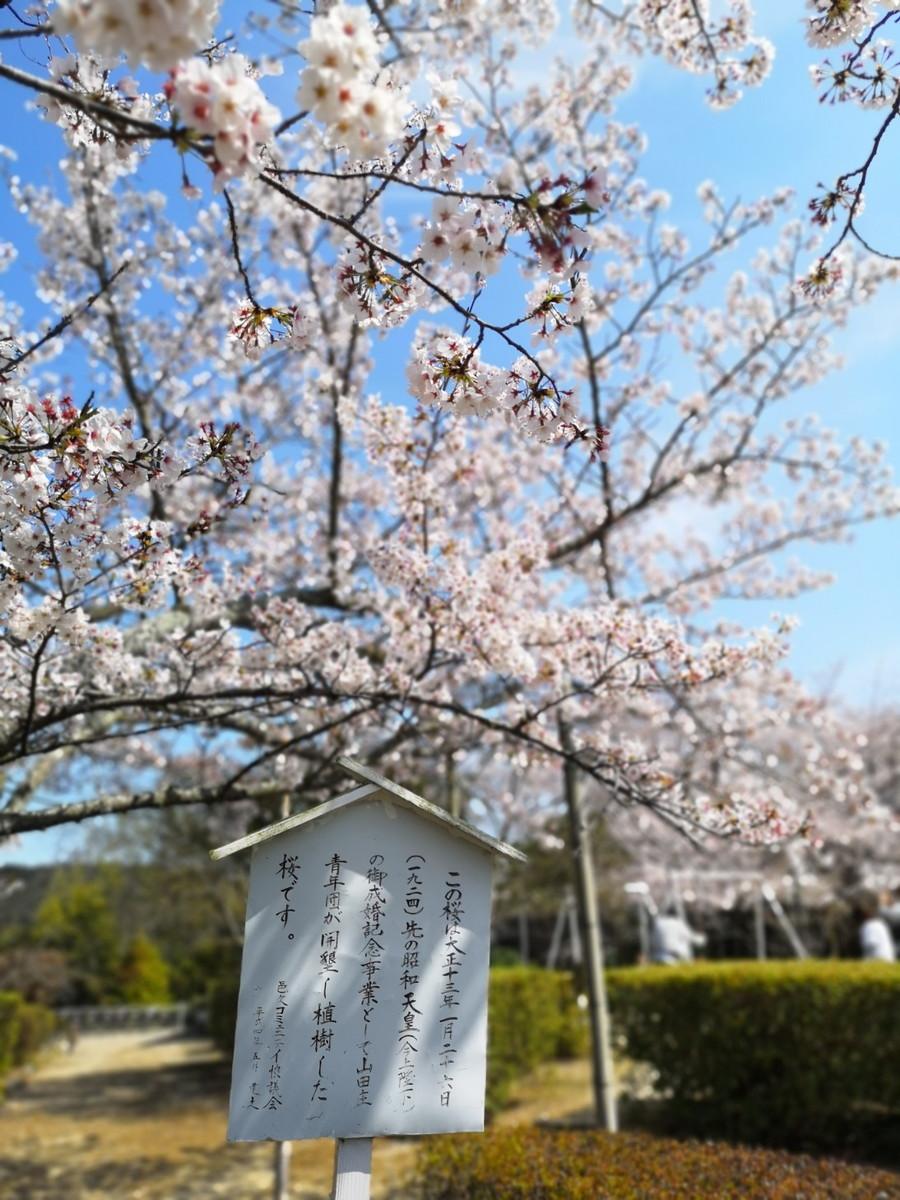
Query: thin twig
x=236 y=249
x=65 y=321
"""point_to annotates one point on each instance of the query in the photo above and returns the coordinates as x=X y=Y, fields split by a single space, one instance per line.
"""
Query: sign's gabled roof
x=373 y=784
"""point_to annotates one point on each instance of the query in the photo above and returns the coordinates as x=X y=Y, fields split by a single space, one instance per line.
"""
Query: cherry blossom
x=221 y=101
x=688 y=34
x=362 y=114
x=156 y=33
x=85 y=77
x=834 y=21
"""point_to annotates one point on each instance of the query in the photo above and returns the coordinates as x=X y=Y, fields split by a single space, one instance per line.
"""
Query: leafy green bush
x=10 y=1010
x=532 y=1017
x=530 y=1164
x=143 y=976
x=766 y=1051
x=36 y=1025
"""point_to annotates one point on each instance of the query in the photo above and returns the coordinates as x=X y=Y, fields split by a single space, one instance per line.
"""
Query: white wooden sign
x=363 y=994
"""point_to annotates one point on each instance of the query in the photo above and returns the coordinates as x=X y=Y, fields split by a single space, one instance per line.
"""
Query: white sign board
x=363 y=997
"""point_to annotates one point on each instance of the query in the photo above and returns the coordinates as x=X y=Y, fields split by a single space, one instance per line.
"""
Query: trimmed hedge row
x=532 y=1017
x=529 y=1164
x=766 y=1050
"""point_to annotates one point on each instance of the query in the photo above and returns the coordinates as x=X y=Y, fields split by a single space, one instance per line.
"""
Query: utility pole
x=589 y=911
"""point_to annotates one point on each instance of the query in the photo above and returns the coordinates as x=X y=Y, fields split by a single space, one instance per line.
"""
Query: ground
x=140 y=1115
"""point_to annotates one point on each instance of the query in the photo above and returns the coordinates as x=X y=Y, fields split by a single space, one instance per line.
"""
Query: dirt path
x=141 y=1116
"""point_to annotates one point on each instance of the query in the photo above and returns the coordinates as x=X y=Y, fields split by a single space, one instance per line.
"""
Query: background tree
x=77 y=918
x=39 y=976
x=143 y=975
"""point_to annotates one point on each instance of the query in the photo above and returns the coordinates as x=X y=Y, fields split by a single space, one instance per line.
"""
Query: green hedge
x=532 y=1017
x=529 y=1164
x=10 y=1010
x=766 y=1050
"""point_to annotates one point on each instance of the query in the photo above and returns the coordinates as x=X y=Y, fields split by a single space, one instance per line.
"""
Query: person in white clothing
x=875 y=939
x=672 y=940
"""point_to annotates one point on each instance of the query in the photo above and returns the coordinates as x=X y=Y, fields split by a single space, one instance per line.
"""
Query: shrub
x=143 y=976
x=529 y=1164
x=10 y=1008
x=766 y=1050
x=36 y=1025
x=532 y=1017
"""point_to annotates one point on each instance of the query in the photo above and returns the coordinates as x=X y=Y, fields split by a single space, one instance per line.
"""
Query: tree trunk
x=589 y=912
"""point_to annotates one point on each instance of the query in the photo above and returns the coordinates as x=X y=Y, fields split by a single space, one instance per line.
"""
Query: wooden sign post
x=363 y=996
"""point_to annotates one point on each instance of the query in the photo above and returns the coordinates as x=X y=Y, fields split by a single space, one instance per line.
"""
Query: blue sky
x=848 y=639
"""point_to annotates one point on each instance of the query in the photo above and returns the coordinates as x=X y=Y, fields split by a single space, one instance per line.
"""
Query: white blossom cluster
x=155 y=33
x=57 y=459
x=469 y=236
x=361 y=113
x=528 y=21
x=440 y=116
x=374 y=290
x=867 y=76
x=44 y=440
x=84 y=76
x=222 y=101
x=446 y=371
x=687 y=35
x=557 y=305
x=867 y=71
x=834 y=21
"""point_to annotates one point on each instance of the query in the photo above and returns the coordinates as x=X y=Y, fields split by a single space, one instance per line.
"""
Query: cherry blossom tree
x=240 y=537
